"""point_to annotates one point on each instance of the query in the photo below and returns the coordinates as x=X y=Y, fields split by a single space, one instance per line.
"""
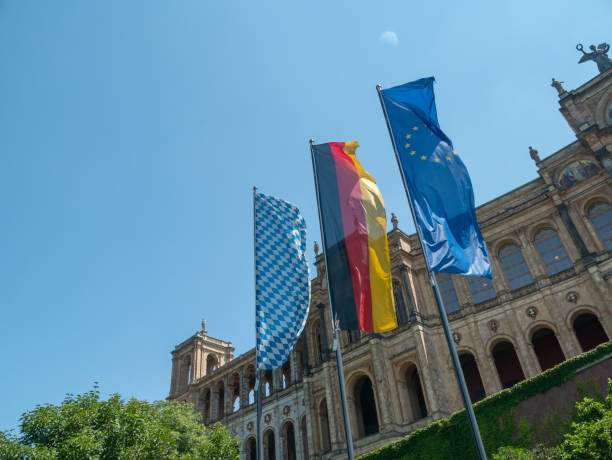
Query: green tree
x=87 y=427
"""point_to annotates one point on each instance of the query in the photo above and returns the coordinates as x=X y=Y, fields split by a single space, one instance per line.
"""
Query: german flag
x=355 y=229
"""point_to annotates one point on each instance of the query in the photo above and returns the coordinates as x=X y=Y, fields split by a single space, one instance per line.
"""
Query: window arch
x=288 y=441
x=400 y=304
x=364 y=407
x=251 y=449
x=547 y=348
x=447 y=291
x=601 y=216
x=304 y=433
x=481 y=288
x=472 y=376
x=514 y=267
x=324 y=424
x=552 y=252
x=269 y=445
x=589 y=331
x=507 y=363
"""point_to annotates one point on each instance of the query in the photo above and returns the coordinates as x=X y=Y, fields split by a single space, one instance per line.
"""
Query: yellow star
x=423 y=157
x=454 y=153
x=412 y=152
x=437 y=160
x=407 y=146
x=447 y=158
x=415 y=128
x=408 y=136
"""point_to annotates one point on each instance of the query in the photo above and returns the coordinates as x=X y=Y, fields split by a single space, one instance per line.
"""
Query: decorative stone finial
x=394 y=220
x=316 y=248
x=557 y=85
x=599 y=55
x=204 y=325
x=534 y=154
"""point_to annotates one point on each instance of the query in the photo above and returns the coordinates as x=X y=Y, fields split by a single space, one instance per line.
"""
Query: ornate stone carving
x=558 y=86
x=533 y=153
x=572 y=296
x=599 y=55
x=267 y=418
x=456 y=337
x=532 y=312
x=494 y=325
x=286 y=410
x=394 y=221
x=250 y=426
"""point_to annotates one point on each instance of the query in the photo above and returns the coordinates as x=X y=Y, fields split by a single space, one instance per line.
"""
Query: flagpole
x=335 y=328
x=434 y=285
x=257 y=372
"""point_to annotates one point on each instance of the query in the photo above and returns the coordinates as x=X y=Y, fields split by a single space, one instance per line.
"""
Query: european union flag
x=438 y=182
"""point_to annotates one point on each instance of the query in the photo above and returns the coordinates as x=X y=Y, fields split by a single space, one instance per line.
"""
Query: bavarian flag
x=355 y=233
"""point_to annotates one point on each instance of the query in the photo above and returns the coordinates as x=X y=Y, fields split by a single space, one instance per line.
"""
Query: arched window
x=251 y=449
x=481 y=288
x=235 y=385
x=601 y=217
x=269 y=446
x=547 y=348
x=508 y=365
x=364 y=407
x=413 y=399
x=552 y=251
x=400 y=305
x=250 y=375
x=304 y=432
x=472 y=377
x=318 y=343
x=267 y=383
x=514 y=267
x=289 y=452
x=448 y=293
x=211 y=363
x=324 y=424
x=589 y=331
x=286 y=370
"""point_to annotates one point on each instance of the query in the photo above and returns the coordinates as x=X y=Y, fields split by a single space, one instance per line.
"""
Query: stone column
x=335 y=438
x=277 y=379
x=569 y=223
x=526 y=356
x=196 y=360
x=305 y=360
x=244 y=390
x=174 y=377
x=214 y=403
x=324 y=336
x=294 y=366
x=532 y=257
x=228 y=396
x=408 y=297
x=381 y=375
x=566 y=238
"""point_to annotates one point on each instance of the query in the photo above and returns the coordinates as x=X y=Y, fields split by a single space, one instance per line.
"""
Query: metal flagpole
x=335 y=328
x=257 y=372
x=434 y=285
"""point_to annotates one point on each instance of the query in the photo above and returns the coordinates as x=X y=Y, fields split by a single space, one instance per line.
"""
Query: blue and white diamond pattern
x=282 y=286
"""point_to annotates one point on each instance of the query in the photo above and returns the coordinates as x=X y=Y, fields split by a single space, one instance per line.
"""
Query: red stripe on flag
x=355 y=232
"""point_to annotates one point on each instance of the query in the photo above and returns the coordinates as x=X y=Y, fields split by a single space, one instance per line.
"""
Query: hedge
x=451 y=438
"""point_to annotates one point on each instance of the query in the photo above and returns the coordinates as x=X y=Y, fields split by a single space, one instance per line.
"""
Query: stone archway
x=288 y=437
x=507 y=363
x=547 y=348
x=324 y=425
x=472 y=376
x=364 y=407
x=251 y=449
x=589 y=331
x=269 y=445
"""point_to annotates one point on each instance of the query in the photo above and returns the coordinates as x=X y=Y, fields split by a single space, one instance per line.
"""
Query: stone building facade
x=550 y=241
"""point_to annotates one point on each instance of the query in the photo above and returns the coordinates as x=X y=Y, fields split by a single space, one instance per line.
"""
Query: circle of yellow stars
x=407 y=145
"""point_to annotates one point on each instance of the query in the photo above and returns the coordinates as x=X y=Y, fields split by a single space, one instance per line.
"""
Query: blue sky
x=132 y=134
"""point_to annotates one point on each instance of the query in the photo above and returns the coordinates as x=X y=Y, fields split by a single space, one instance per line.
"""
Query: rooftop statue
x=599 y=55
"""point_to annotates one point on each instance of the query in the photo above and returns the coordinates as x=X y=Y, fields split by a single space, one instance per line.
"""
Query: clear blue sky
x=131 y=134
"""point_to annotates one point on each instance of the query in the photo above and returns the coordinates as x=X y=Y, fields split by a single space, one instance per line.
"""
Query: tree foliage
x=87 y=427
